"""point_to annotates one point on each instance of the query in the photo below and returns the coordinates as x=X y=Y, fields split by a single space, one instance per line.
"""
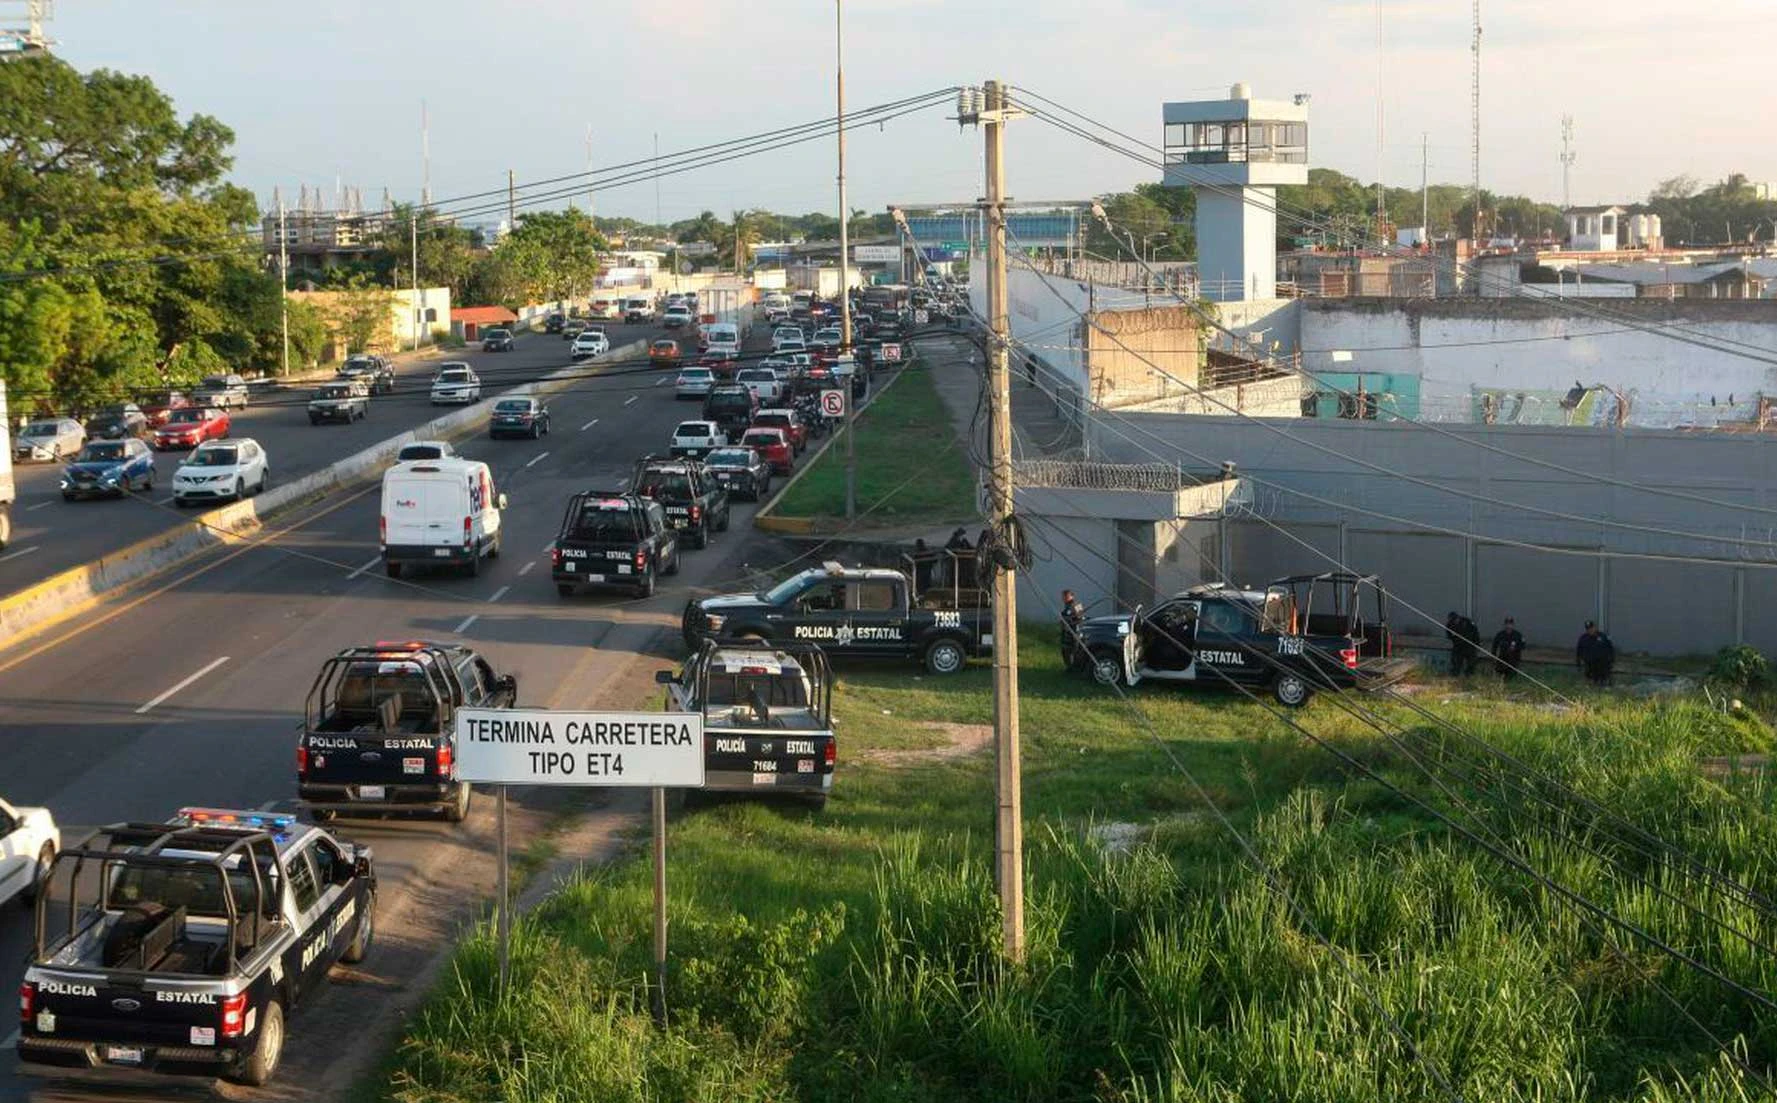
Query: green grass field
x=908 y=454
x=851 y=955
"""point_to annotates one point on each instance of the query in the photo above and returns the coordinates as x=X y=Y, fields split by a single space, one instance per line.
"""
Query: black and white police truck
x=767 y=716
x=182 y=947
x=379 y=728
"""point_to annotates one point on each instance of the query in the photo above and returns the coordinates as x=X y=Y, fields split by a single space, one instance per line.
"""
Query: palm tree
x=744 y=231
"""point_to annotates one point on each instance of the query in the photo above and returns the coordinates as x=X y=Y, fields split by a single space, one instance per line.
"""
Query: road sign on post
x=891 y=353
x=832 y=403
x=655 y=750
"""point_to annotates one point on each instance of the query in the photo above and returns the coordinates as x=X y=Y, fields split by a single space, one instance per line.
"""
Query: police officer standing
x=1595 y=654
x=1465 y=643
x=1508 y=650
x=1073 y=615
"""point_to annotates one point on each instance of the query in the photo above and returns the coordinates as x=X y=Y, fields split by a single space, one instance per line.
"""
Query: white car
x=592 y=342
x=788 y=339
x=676 y=317
x=455 y=382
x=693 y=382
x=29 y=840
x=828 y=337
x=763 y=382
x=221 y=391
x=695 y=438
x=49 y=439
x=723 y=350
x=219 y=471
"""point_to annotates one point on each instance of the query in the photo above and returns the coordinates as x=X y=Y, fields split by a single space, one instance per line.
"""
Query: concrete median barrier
x=73 y=591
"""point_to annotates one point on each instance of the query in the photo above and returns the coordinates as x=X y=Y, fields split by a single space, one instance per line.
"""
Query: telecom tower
x=1568 y=156
x=21 y=28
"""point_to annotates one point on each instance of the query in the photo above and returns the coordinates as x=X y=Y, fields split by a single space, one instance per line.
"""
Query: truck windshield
x=606 y=526
x=367 y=685
x=728 y=690
x=789 y=587
x=672 y=487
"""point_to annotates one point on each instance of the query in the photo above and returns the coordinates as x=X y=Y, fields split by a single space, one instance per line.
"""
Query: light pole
x=851 y=436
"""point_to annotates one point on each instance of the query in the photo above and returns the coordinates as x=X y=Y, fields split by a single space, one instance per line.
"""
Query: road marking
x=182 y=685
x=167 y=501
x=467 y=621
x=661 y=382
x=369 y=564
x=498 y=594
x=11 y=1041
x=629 y=400
x=40 y=505
x=549 y=547
x=21 y=553
x=538 y=458
x=583 y=429
x=526 y=569
x=267 y=806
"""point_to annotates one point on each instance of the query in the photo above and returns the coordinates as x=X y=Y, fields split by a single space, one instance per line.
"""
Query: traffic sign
x=832 y=403
x=921 y=316
x=547 y=747
x=890 y=353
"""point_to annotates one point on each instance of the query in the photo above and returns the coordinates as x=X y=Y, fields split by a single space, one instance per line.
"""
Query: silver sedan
x=49 y=439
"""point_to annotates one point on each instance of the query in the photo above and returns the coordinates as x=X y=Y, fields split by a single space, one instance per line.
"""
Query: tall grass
x=855 y=955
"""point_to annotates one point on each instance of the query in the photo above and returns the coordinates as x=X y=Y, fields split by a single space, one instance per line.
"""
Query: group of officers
x=1594 y=654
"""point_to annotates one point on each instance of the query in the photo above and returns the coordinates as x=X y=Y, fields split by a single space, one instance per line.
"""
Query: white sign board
x=890 y=353
x=921 y=317
x=876 y=254
x=832 y=403
x=547 y=747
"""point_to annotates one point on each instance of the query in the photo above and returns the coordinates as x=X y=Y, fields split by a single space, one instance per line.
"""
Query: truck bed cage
x=431 y=658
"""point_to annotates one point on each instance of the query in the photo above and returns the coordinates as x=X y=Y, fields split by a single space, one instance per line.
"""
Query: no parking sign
x=832 y=403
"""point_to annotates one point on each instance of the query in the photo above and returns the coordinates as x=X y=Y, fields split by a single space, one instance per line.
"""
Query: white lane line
x=267 y=806
x=549 y=547
x=182 y=685
x=367 y=565
x=498 y=594
x=11 y=1041
x=21 y=553
x=538 y=458
x=526 y=569
x=629 y=400
x=467 y=621
x=28 y=509
x=167 y=501
x=583 y=429
x=661 y=382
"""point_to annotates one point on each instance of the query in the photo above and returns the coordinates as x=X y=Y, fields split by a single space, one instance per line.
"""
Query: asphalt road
x=51 y=535
x=189 y=691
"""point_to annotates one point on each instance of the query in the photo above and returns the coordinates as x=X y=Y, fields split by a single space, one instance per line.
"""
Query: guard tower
x=1235 y=152
x=21 y=28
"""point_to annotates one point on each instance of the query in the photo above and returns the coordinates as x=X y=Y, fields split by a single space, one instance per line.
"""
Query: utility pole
x=1424 y=187
x=1568 y=156
x=425 y=157
x=992 y=114
x=413 y=228
x=589 y=187
x=511 y=203
x=851 y=417
x=283 y=286
x=1475 y=125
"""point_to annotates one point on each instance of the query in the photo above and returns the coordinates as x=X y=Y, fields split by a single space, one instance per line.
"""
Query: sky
x=326 y=91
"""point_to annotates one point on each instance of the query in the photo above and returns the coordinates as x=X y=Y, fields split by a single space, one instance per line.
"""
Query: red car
x=793 y=426
x=190 y=426
x=773 y=446
x=157 y=406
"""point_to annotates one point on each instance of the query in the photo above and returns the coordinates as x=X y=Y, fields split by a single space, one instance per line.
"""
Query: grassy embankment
x=852 y=955
x=907 y=447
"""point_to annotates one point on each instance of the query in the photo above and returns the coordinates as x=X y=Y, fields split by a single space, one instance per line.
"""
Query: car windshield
x=723 y=401
x=334 y=392
x=693 y=429
x=190 y=414
x=513 y=406
x=772 y=419
x=659 y=484
x=729 y=457
x=102 y=453
x=695 y=373
x=420 y=452
x=40 y=429
x=453 y=375
x=664 y=346
x=728 y=690
x=761 y=440
x=495 y=334
x=157 y=398
x=112 y=412
x=789 y=587
x=607 y=521
x=215 y=382
x=212 y=457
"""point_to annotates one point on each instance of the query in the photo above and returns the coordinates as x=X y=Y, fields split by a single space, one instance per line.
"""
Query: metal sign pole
x=503 y=918
x=660 y=907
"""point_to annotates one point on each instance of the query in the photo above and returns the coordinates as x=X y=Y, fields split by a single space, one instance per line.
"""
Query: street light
x=1145 y=238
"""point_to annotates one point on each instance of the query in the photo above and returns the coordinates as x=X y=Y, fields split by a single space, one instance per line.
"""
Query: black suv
x=613 y=538
x=731 y=406
x=554 y=323
x=696 y=502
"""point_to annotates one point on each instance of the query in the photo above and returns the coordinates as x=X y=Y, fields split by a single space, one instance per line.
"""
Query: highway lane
x=51 y=535
x=192 y=696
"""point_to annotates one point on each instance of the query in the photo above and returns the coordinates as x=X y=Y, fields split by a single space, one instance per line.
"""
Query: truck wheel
x=364 y=935
x=473 y=567
x=817 y=803
x=945 y=657
x=393 y=569
x=672 y=566
x=565 y=589
x=6 y=528
x=260 y=1067
x=645 y=588
x=722 y=525
x=1107 y=668
x=701 y=539
x=1291 y=690
x=458 y=810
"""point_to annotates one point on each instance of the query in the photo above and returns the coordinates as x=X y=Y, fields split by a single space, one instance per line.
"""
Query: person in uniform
x=1595 y=654
x=1508 y=650
x=1073 y=615
x=1465 y=643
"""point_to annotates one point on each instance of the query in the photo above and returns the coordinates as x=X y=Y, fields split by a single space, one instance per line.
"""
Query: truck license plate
x=370 y=792
x=595 y=578
x=442 y=553
x=124 y=1055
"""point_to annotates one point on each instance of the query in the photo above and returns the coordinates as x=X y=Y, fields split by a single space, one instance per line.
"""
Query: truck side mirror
x=664 y=678
x=501 y=501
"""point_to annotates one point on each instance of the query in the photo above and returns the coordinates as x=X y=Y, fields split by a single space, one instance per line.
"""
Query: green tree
x=555 y=254
x=447 y=251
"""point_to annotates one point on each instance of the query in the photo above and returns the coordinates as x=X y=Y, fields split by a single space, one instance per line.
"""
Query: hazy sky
x=321 y=90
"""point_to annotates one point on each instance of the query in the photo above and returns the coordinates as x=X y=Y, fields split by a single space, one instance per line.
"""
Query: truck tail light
x=382 y=531
x=302 y=761
x=1348 y=655
x=466 y=532
x=234 y=1015
x=27 y=1002
x=555 y=557
x=641 y=558
x=696 y=513
x=447 y=760
x=831 y=754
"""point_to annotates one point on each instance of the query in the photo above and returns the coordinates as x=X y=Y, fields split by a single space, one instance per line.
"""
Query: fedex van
x=443 y=511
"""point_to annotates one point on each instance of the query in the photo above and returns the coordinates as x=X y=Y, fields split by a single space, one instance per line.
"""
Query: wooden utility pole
x=283 y=286
x=851 y=419
x=419 y=314
x=511 y=203
x=1009 y=834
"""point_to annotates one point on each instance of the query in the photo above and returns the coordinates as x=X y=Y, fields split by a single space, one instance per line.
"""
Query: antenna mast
x=1568 y=156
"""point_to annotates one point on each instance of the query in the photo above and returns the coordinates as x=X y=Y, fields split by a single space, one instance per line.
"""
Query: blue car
x=109 y=467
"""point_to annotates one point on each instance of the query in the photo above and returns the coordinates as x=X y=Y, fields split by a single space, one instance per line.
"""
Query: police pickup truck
x=181 y=947
x=613 y=538
x=851 y=612
x=767 y=716
x=696 y=503
x=1295 y=636
x=379 y=728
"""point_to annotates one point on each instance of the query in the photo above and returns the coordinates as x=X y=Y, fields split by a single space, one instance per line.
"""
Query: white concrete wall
x=1237 y=243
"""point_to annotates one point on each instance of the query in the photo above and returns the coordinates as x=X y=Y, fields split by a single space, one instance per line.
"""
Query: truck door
x=1226 y=651
x=879 y=616
x=312 y=939
x=820 y=614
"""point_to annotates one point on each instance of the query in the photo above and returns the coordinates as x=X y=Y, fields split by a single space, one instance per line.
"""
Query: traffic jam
x=189 y=946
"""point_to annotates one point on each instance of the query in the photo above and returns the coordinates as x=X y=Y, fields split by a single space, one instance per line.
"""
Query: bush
x=1739 y=668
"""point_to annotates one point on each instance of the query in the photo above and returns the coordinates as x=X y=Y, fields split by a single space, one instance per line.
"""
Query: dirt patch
x=1721 y=766
x=960 y=741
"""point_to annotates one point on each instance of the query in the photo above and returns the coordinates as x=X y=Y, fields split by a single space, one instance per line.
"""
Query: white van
x=638 y=309
x=443 y=511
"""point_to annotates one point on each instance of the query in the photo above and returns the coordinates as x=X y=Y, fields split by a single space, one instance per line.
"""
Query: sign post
x=651 y=750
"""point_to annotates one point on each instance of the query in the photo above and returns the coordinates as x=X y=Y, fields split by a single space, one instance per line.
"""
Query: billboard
x=876 y=254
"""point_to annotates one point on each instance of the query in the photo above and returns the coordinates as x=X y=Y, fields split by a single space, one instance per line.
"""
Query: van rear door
x=423 y=509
